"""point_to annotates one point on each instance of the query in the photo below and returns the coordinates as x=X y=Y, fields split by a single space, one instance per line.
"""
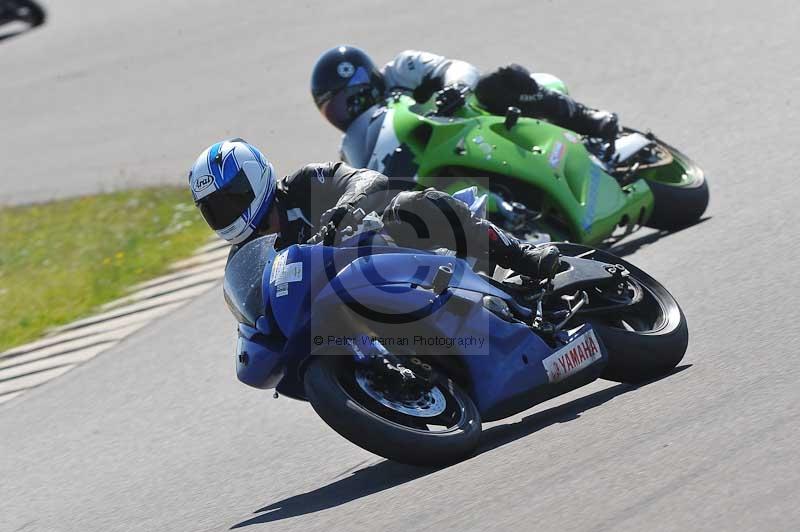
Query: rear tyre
x=645 y=340
x=338 y=391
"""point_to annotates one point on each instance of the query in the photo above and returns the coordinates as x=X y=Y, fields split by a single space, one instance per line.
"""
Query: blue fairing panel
x=328 y=274
x=289 y=301
x=259 y=359
x=409 y=269
x=514 y=376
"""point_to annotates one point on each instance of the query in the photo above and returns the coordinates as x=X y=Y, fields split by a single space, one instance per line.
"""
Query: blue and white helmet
x=233 y=185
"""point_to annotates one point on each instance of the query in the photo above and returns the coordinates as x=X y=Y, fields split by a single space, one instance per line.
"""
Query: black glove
x=335 y=220
x=450 y=99
x=325 y=236
x=604 y=125
x=337 y=214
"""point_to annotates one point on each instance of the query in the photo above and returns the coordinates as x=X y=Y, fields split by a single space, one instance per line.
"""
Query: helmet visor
x=222 y=207
x=344 y=106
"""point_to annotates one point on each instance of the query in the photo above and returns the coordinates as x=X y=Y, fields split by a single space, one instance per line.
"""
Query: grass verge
x=60 y=260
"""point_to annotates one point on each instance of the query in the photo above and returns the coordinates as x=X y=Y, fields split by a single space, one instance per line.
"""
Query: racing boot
x=540 y=262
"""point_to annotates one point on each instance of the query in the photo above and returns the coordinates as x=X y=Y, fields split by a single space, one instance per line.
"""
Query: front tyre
x=439 y=427
x=680 y=189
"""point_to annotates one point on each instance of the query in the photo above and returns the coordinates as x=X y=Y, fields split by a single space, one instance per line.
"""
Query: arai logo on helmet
x=202 y=183
x=346 y=69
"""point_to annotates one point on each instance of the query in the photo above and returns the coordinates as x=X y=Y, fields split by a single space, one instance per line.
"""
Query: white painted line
x=141 y=319
x=29 y=381
x=164 y=289
x=216 y=243
x=218 y=267
x=66 y=346
x=205 y=258
x=52 y=352
x=136 y=307
x=17 y=372
x=9 y=396
x=61 y=342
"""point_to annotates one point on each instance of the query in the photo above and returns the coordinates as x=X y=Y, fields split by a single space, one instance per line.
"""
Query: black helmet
x=344 y=84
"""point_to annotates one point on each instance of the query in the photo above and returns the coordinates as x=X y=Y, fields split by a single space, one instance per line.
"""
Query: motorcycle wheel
x=436 y=429
x=680 y=191
x=646 y=339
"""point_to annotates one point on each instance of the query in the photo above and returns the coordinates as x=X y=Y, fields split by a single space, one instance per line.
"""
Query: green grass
x=61 y=260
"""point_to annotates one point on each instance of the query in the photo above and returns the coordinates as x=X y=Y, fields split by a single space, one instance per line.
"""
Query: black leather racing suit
x=423 y=73
x=318 y=193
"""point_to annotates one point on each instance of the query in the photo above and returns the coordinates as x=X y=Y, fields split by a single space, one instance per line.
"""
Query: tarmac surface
x=157 y=434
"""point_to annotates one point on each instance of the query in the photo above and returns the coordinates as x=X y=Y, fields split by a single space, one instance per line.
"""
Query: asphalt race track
x=157 y=434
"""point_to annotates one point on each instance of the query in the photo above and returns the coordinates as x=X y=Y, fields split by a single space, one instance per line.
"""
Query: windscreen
x=243 y=279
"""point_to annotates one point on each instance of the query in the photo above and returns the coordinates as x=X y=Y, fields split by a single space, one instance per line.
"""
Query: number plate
x=580 y=353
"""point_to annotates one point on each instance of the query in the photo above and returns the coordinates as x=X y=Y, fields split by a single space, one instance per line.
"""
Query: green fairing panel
x=550 y=160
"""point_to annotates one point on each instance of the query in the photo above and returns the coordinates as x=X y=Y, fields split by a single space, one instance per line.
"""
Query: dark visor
x=222 y=207
x=347 y=104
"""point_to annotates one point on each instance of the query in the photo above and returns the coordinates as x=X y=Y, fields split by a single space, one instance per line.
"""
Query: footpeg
x=574 y=303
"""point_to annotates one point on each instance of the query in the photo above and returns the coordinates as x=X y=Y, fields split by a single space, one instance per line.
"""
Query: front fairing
x=332 y=275
x=291 y=296
x=280 y=340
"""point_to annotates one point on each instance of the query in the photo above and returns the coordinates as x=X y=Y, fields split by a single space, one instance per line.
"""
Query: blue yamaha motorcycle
x=404 y=352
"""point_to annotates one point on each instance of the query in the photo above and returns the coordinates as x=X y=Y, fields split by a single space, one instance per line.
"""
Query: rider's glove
x=451 y=98
x=336 y=220
x=346 y=214
x=324 y=236
x=605 y=125
x=337 y=214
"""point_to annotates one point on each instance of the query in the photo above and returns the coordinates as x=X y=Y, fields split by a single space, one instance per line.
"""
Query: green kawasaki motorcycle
x=544 y=182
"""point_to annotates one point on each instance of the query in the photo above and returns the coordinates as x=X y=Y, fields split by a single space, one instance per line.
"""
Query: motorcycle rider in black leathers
x=345 y=83
x=239 y=195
